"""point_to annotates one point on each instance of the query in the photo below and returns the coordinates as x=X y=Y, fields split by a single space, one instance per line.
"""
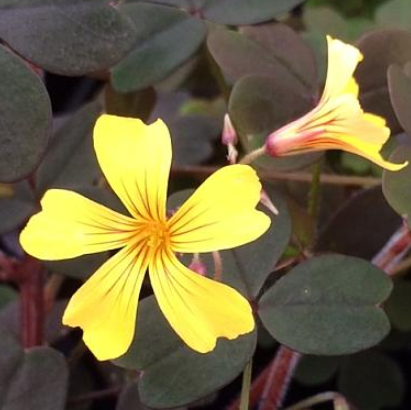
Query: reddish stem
x=30 y=281
x=278 y=379
x=394 y=250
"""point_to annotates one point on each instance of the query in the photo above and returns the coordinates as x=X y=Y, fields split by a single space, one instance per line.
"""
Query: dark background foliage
x=63 y=62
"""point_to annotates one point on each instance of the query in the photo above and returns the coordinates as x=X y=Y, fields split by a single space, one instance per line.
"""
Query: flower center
x=158 y=234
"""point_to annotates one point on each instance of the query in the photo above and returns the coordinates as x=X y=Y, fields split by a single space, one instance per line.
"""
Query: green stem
x=253 y=155
x=245 y=388
x=318 y=399
x=314 y=196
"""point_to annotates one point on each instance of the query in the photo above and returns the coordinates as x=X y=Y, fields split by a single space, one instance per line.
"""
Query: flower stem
x=314 y=198
x=279 y=378
x=253 y=155
x=96 y=395
x=218 y=266
x=30 y=282
x=318 y=399
x=392 y=253
x=203 y=171
x=245 y=388
x=314 y=194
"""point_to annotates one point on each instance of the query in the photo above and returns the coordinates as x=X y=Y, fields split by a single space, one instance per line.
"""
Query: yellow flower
x=337 y=122
x=221 y=214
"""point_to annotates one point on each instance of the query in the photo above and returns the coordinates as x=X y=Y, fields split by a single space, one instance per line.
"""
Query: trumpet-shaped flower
x=221 y=214
x=337 y=122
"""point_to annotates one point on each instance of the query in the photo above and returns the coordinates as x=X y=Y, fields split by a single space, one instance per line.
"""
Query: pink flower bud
x=229 y=136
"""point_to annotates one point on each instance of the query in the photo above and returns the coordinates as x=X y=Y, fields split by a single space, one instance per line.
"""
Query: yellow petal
x=221 y=213
x=199 y=309
x=342 y=61
x=352 y=88
x=71 y=225
x=105 y=307
x=135 y=159
x=375 y=119
x=369 y=151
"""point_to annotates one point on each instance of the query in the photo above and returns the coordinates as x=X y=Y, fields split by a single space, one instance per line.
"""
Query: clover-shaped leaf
x=173 y=374
x=22 y=96
x=399 y=84
x=80 y=36
x=166 y=38
x=233 y=12
x=35 y=379
x=70 y=161
x=320 y=307
x=270 y=49
x=396 y=185
x=16 y=207
x=381 y=49
x=348 y=231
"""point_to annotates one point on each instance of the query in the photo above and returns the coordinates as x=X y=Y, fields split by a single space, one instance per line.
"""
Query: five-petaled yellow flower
x=221 y=214
x=337 y=122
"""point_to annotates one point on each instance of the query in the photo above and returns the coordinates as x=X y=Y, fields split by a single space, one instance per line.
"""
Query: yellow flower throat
x=158 y=234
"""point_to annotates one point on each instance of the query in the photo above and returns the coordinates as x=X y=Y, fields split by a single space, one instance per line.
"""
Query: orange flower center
x=158 y=234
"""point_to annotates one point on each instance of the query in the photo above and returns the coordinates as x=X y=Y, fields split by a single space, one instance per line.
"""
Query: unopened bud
x=229 y=135
x=266 y=201
x=230 y=139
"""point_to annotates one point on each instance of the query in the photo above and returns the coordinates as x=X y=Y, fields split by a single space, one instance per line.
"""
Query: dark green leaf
x=355 y=164
x=174 y=375
x=7 y=295
x=348 y=232
x=381 y=49
x=233 y=12
x=82 y=381
x=260 y=105
x=371 y=381
x=326 y=20
x=65 y=36
x=394 y=14
x=35 y=379
x=399 y=85
x=274 y=50
x=15 y=209
x=320 y=307
x=398 y=306
x=129 y=398
x=137 y=104
x=193 y=137
x=53 y=328
x=166 y=38
x=25 y=117
x=82 y=267
x=313 y=370
x=70 y=161
x=396 y=185
x=238 y=12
